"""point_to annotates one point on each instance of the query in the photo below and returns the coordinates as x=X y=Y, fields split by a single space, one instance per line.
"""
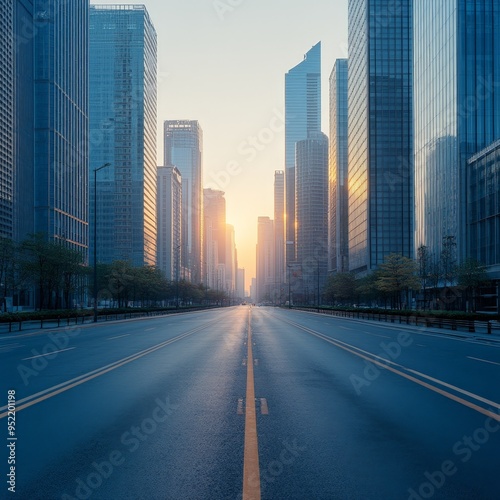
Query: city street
x=251 y=402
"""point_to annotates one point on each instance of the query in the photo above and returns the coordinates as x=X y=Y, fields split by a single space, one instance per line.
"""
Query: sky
x=223 y=63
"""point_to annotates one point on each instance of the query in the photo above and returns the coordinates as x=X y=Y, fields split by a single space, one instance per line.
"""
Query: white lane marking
x=149 y=329
x=49 y=353
x=119 y=337
x=377 y=335
x=484 y=360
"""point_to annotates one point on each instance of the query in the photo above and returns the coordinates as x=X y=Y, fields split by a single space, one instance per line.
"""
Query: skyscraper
x=169 y=208
x=7 y=110
x=123 y=132
x=265 y=260
x=457 y=113
x=302 y=115
x=338 y=195
x=380 y=83
x=215 y=236
x=311 y=211
x=24 y=41
x=183 y=145
x=61 y=121
x=230 y=259
x=279 y=230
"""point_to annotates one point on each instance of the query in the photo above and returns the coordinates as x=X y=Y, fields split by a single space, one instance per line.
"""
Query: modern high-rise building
x=338 y=194
x=311 y=212
x=183 y=146
x=302 y=115
x=240 y=284
x=24 y=163
x=123 y=132
x=380 y=143
x=457 y=114
x=60 y=92
x=279 y=229
x=265 y=260
x=7 y=111
x=230 y=261
x=215 y=236
x=169 y=209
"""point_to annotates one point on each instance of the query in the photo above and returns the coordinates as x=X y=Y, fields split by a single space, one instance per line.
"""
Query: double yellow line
x=251 y=472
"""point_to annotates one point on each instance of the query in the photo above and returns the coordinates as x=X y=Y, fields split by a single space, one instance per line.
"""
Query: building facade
x=380 y=141
x=302 y=115
x=483 y=208
x=311 y=213
x=215 y=237
x=7 y=110
x=61 y=103
x=169 y=230
x=264 y=286
x=183 y=146
x=457 y=113
x=123 y=133
x=279 y=231
x=338 y=194
x=24 y=163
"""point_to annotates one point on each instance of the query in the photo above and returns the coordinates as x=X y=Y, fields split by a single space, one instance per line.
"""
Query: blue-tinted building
x=7 y=110
x=183 y=147
x=302 y=116
x=457 y=114
x=123 y=132
x=483 y=208
x=24 y=40
x=380 y=143
x=338 y=194
x=311 y=212
x=61 y=121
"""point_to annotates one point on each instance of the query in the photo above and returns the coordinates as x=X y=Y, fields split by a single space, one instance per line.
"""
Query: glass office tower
x=338 y=195
x=311 y=210
x=61 y=121
x=123 y=132
x=183 y=146
x=7 y=101
x=380 y=131
x=24 y=119
x=457 y=110
x=302 y=115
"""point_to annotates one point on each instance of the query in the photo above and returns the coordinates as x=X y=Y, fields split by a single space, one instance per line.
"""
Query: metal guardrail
x=471 y=326
x=42 y=324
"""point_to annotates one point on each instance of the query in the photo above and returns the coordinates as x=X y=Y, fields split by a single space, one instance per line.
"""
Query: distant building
x=123 y=132
x=279 y=232
x=183 y=146
x=311 y=213
x=457 y=115
x=338 y=194
x=240 y=284
x=380 y=94
x=230 y=260
x=215 y=237
x=169 y=207
x=265 y=260
x=302 y=115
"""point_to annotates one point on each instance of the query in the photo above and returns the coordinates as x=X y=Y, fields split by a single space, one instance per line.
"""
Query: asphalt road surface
x=248 y=403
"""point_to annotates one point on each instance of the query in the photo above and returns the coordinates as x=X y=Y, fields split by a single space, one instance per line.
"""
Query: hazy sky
x=223 y=63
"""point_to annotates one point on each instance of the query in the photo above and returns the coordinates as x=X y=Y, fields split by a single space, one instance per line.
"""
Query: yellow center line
x=251 y=473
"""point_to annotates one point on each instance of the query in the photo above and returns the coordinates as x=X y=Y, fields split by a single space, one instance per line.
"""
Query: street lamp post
x=177 y=276
x=289 y=288
x=95 y=237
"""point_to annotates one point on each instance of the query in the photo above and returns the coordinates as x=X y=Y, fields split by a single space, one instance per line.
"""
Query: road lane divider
x=51 y=353
x=69 y=384
x=412 y=375
x=251 y=471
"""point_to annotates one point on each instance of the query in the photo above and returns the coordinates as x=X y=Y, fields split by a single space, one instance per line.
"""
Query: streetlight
x=95 y=237
x=289 y=289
